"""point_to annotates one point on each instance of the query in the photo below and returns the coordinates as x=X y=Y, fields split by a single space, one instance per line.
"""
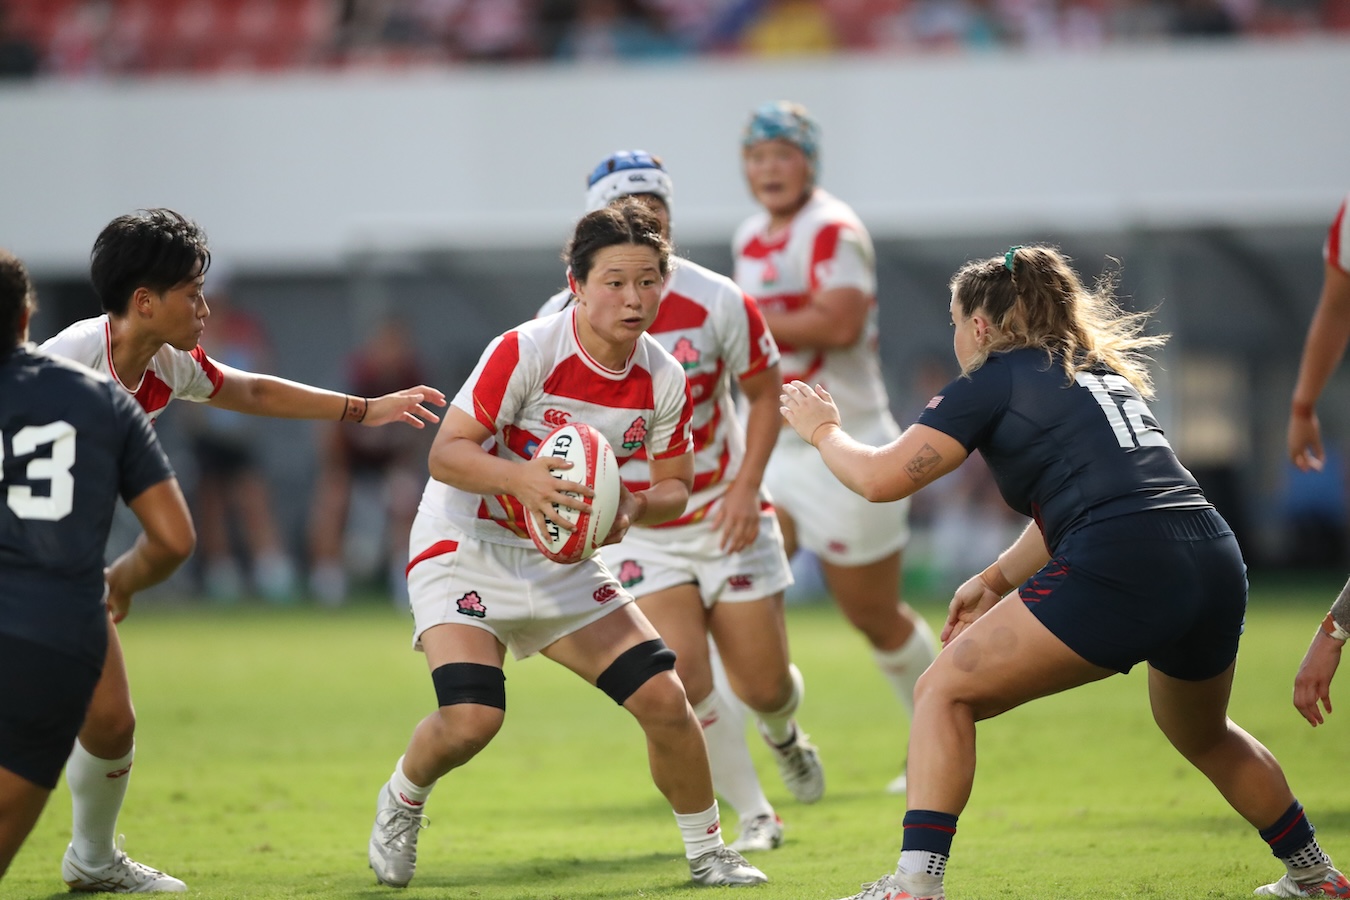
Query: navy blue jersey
x=1066 y=453
x=71 y=442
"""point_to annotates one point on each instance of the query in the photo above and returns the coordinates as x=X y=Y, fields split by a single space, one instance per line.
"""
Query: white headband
x=623 y=182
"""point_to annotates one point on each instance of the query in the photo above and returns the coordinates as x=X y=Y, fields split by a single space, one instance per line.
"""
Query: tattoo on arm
x=1340 y=610
x=923 y=463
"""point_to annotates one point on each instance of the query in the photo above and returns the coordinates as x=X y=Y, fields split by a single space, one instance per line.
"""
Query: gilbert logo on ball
x=594 y=465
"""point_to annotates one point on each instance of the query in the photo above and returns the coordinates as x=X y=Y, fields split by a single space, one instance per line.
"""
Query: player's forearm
x=762 y=427
x=664 y=501
x=278 y=398
x=1328 y=335
x=815 y=326
x=464 y=464
x=1025 y=557
x=146 y=564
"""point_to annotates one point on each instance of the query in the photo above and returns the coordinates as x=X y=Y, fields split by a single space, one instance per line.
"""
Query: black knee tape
x=635 y=667
x=469 y=683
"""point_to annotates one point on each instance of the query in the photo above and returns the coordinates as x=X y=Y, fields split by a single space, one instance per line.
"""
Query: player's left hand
x=736 y=517
x=1313 y=681
x=971 y=600
x=404 y=406
x=119 y=601
x=807 y=409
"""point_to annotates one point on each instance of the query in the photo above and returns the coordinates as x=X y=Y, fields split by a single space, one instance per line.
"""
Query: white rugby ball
x=594 y=465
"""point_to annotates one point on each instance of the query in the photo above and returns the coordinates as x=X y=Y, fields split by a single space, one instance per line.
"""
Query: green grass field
x=264 y=735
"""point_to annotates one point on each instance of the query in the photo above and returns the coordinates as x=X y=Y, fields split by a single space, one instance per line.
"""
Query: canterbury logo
x=119 y=773
x=556 y=417
x=714 y=828
x=407 y=801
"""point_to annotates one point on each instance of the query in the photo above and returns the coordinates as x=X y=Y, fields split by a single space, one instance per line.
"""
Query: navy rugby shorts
x=46 y=696
x=1167 y=586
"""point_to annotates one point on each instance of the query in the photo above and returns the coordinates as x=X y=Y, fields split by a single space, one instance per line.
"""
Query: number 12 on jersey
x=1130 y=419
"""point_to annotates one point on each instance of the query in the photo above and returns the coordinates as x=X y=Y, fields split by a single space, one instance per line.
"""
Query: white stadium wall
x=301 y=172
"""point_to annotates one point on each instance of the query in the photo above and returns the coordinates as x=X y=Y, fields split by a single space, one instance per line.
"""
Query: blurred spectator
x=791 y=28
x=616 y=30
x=232 y=501
x=19 y=57
x=83 y=38
x=373 y=476
x=1203 y=18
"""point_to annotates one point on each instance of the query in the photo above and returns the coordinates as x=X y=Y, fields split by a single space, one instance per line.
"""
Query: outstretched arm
x=267 y=395
x=918 y=457
x=167 y=540
x=1322 y=351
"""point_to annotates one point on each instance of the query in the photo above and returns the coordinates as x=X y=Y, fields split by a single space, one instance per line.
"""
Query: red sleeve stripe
x=490 y=390
x=827 y=239
x=216 y=376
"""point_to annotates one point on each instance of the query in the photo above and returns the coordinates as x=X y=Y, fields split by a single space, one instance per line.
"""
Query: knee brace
x=469 y=683
x=635 y=667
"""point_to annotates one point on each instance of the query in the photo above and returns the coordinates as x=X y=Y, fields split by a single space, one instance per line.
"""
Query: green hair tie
x=1010 y=257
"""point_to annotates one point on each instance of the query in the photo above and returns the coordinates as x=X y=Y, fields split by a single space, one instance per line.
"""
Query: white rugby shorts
x=832 y=522
x=648 y=560
x=517 y=594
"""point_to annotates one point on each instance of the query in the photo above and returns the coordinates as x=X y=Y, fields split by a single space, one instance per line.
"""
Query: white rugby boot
x=121 y=876
x=393 y=841
x=1332 y=884
x=759 y=833
x=799 y=766
x=890 y=888
x=724 y=867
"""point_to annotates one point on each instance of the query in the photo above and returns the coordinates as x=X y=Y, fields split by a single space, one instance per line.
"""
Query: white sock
x=922 y=862
x=97 y=787
x=778 y=726
x=733 y=772
x=903 y=666
x=406 y=794
x=702 y=831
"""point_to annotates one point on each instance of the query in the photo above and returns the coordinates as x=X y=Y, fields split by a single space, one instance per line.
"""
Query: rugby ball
x=594 y=465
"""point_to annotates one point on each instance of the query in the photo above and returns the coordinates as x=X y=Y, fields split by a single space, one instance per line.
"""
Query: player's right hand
x=1305 y=443
x=971 y=600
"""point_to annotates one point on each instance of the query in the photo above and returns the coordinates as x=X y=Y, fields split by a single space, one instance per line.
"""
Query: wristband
x=1301 y=410
x=994 y=579
x=1334 y=631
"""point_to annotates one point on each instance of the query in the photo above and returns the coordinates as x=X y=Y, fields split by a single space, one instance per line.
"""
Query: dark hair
x=625 y=221
x=152 y=248
x=1034 y=298
x=16 y=297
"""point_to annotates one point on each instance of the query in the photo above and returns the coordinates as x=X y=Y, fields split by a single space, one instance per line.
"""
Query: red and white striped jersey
x=716 y=333
x=536 y=377
x=825 y=246
x=1336 y=251
x=172 y=373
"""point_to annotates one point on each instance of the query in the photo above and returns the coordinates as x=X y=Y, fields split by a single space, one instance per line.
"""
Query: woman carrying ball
x=478 y=585
x=1127 y=562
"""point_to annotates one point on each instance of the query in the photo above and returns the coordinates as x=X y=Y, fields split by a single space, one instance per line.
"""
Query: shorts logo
x=556 y=418
x=837 y=547
x=605 y=593
x=685 y=353
x=741 y=582
x=630 y=573
x=636 y=434
x=471 y=605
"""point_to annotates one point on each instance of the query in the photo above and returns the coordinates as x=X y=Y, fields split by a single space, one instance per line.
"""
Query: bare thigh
x=753 y=642
x=678 y=614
